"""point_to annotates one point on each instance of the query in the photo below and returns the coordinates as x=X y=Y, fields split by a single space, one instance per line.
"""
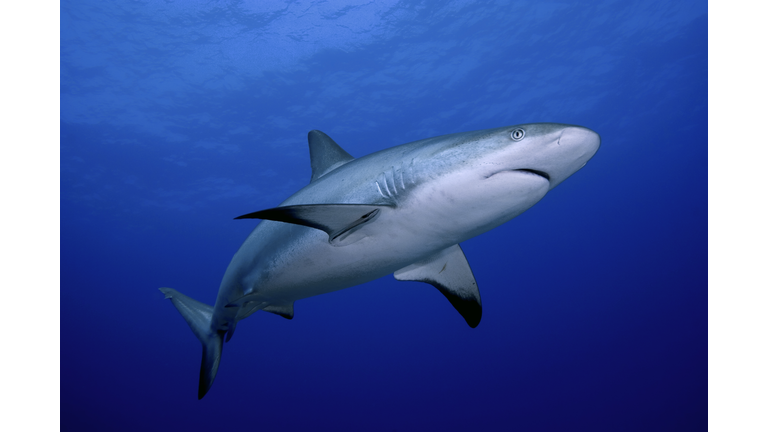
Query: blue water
x=178 y=116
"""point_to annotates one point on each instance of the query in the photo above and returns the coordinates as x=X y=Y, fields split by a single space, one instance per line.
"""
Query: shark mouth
x=535 y=172
x=538 y=173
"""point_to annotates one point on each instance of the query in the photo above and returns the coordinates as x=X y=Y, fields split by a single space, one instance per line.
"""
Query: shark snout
x=586 y=140
x=571 y=150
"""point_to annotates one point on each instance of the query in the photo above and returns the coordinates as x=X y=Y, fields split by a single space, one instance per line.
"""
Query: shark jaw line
x=525 y=170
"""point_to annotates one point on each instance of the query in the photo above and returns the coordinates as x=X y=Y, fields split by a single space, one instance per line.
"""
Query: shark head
x=488 y=177
x=551 y=151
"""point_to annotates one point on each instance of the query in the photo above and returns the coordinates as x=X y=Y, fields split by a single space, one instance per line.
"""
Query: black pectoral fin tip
x=277 y=213
x=248 y=216
x=469 y=308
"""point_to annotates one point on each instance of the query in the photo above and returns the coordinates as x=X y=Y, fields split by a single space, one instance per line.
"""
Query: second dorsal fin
x=324 y=154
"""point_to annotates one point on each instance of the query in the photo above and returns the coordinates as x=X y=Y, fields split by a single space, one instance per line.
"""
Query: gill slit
x=386 y=186
x=379 y=188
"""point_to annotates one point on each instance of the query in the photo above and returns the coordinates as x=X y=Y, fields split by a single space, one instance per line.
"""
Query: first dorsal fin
x=324 y=154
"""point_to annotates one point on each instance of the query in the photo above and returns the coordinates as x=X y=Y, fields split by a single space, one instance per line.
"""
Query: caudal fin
x=210 y=364
x=198 y=315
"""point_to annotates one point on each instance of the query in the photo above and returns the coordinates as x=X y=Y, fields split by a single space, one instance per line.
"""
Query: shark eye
x=517 y=134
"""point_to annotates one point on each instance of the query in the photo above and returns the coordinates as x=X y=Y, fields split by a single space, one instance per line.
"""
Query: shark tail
x=198 y=315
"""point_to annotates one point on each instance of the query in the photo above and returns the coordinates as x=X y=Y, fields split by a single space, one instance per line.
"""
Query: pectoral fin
x=338 y=220
x=449 y=272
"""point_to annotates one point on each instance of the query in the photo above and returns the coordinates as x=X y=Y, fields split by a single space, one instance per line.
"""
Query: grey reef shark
x=403 y=210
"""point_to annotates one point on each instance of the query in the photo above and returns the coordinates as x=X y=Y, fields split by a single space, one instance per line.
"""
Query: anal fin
x=253 y=302
x=449 y=272
x=246 y=305
x=285 y=310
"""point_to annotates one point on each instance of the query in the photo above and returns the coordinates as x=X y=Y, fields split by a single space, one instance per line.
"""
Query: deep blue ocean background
x=178 y=116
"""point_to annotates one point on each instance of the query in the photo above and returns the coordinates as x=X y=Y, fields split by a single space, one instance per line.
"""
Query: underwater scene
x=179 y=116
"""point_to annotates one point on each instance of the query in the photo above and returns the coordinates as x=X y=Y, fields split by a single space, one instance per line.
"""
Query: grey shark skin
x=403 y=210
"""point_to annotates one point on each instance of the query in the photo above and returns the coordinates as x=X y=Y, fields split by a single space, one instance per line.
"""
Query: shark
x=403 y=211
